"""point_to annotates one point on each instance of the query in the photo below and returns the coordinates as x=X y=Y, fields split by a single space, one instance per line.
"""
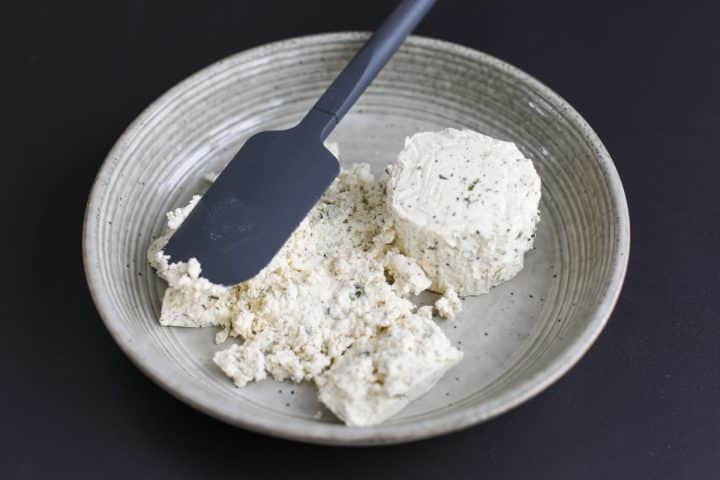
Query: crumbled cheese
x=243 y=364
x=190 y=300
x=176 y=217
x=337 y=281
x=465 y=208
x=326 y=288
x=449 y=305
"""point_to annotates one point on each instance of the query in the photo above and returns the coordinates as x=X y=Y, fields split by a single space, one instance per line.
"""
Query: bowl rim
x=334 y=434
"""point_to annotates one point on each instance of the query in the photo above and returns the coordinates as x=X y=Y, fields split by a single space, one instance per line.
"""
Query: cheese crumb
x=449 y=305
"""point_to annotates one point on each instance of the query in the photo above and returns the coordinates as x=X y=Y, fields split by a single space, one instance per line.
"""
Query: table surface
x=643 y=403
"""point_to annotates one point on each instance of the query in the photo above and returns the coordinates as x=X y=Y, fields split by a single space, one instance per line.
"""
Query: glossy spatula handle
x=368 y=61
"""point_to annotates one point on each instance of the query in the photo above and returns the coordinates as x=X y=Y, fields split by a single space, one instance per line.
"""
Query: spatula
x=271 y=184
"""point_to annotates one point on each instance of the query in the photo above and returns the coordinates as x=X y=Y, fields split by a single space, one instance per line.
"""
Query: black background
x=643 y=404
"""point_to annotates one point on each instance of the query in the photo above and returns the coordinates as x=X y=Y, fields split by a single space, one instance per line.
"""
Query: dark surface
x=643 y=404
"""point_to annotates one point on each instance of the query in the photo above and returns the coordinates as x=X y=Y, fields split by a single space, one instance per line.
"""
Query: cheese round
x=465 y=207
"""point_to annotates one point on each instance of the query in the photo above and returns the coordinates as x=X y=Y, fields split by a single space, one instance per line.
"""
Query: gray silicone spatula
x=271 y=184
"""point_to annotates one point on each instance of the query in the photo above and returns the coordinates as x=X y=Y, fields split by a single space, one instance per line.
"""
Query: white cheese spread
x=465 y=206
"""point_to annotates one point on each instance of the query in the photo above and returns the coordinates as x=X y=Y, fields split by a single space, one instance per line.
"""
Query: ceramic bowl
x=517 y=340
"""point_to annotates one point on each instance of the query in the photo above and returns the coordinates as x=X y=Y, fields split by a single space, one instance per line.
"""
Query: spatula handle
x=367 y=62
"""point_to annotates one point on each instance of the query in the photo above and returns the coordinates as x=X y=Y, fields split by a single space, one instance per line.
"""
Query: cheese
x=325 y=289
x=465 y=207
x=376 y=379
x=332 y=306
x=407 y=275
x=449 y=305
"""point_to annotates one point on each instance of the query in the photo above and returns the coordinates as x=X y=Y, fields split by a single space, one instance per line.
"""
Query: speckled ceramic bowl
x=517 y=340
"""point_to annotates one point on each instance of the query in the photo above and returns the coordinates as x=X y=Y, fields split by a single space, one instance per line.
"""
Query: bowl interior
x=517 y=339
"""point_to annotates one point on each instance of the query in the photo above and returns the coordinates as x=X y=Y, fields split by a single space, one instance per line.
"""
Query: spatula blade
x=254 y=205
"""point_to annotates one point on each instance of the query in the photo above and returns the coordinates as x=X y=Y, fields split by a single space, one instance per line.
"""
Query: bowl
x=518 y=339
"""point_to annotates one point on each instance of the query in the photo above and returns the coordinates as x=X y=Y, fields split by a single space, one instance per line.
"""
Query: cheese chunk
x=407 y=275
x=378 y=377
x=465 y=207
x=449 y=305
